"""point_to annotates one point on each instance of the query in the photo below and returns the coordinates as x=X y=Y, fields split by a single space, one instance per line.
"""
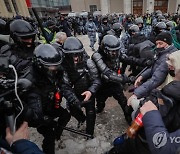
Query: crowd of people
x=133 y=50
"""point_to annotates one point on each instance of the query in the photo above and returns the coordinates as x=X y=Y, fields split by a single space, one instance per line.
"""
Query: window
x=93 y=8
x=15 y=6
x=160 y=3
x=55 y=3
x=47 y=3
x=51 y=3
x=43 y=3
x=8 y=5
x=155 y=3
x=35 y=3
x=139 y=3
x=134 y=3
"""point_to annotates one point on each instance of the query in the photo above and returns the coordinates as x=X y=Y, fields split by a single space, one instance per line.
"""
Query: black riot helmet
x=170 y=25
x=139 y=22
x=47 y=59
x=51 y=25
x=2 y=26
x=21 y=31
x=133 y=29
x=104 y=19
x=90 y=18
x=111 y=47
x=128 y=18
x=161 y=18
x=159 y=27
x=74 y=51
x=158 y=12
x=117 y=27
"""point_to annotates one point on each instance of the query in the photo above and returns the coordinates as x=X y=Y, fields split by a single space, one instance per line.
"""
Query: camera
x=4 y=64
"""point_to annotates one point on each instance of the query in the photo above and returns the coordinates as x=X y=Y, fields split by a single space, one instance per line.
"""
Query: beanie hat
x=165 y=37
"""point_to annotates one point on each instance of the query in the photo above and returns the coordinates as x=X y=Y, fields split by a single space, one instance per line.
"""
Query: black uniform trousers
x=53 y=130
x=116 y=90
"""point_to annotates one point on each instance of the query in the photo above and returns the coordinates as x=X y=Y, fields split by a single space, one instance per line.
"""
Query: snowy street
x=109 y=124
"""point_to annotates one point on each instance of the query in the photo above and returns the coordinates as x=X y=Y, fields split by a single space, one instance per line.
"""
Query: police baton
x=78 y=132
x=141 y=72
x=132 y=89
x=54 y=123
x=40 y=24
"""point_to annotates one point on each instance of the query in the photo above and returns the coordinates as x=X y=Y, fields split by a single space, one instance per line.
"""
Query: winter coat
x=158 y=138
x=156 y=74
x=24 y=147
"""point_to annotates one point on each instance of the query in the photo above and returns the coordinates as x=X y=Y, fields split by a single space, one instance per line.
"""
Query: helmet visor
x=27 y=41
x=52 y=70
x=77 y=57
x=113 y=54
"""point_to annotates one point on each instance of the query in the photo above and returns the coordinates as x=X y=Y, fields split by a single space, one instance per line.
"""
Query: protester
x=18 y=142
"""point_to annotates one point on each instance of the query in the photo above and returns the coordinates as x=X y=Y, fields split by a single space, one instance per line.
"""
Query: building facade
x=11 y=8
x=50 y=7
x=125 y=6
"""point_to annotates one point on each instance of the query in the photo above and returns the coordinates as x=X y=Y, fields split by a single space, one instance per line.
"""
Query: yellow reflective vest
x=42 y=38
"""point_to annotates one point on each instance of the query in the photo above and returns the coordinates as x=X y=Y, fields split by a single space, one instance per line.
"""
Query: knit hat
x=165 y=37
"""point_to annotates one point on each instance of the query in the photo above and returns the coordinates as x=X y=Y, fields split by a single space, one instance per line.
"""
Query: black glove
x=148 y=63
x=74 y=101
x=47 y=120
x=113 y=77
x=132 y=79
x=124 y=57
x=24 y=84
x=76 y=104
x=106 y=75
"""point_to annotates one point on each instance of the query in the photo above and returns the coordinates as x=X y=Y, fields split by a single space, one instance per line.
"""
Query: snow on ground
x=109 y=124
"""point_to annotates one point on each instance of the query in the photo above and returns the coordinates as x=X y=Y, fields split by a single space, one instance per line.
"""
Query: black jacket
x=80 y=79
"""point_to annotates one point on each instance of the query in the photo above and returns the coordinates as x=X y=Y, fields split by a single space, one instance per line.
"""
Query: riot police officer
x=20 y=55
x=130 y=39
x=143 y=29
x=91 y=31
x=83 y=83
x=103 y=28
x=137 y=43
x=47 y=75
x=50 y=32
x=116 y=30
x=157 y=29
x=170 y=25
x=21 y=51
x=4 y=33
x=128 y=22
x=107 y=60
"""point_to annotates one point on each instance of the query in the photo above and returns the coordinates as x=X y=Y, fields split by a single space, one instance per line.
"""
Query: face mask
x=140 y=28
x=159 y=50
x=172 y=73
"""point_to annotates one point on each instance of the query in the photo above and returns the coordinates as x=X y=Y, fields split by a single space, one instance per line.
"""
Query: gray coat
x=156 y=74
